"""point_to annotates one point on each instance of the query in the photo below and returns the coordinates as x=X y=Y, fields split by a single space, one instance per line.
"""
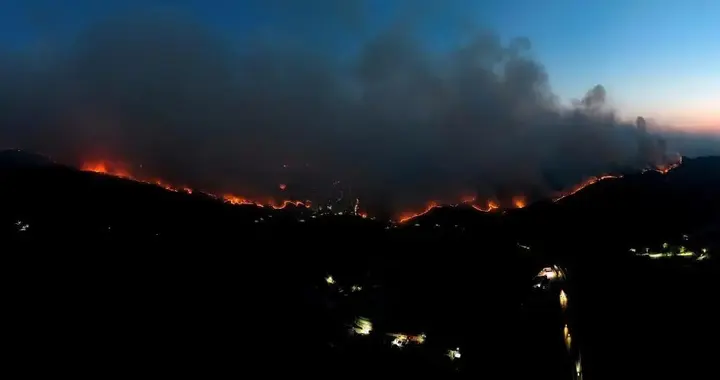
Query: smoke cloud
x=327 y=106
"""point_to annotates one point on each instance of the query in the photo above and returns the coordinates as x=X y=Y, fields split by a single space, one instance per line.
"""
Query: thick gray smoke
x=391 y=118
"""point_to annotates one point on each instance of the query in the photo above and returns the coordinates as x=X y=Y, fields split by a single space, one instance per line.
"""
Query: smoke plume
x=326 y=106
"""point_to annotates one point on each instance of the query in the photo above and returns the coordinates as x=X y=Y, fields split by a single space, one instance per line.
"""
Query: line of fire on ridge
x=518 y=202
x=102 y=167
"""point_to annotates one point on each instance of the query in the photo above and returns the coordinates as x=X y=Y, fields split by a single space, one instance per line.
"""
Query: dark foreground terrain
x=108 y=276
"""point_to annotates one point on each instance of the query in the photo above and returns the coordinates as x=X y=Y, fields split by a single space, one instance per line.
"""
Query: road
x=549 y=312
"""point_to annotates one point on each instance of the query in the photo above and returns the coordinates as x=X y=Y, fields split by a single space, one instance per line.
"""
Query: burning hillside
x=360 y=281
x=117 y=170
x=57 y=200
x=392 y=120
x=517 y=202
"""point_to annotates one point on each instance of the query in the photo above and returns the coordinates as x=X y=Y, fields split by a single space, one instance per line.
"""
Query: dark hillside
x=113 y=273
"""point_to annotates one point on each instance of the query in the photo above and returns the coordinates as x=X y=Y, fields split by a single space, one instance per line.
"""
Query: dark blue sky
x=408 y=99
x=655 y=57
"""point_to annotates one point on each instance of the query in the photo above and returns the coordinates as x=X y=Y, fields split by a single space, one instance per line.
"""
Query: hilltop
x=193 y=276
x=60 y=201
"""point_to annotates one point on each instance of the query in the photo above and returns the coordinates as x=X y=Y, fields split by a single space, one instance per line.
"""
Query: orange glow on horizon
x=521 y=202
x=411 y=215
x=518 y=202
x=118 y=170
x=582 y=185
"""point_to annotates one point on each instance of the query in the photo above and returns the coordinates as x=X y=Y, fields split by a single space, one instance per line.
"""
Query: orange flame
x=491 y=205
x=666 y=168
x=117 y=170
x=519 y=201
x=582 y=185
x=103 y=168
x=409 y=215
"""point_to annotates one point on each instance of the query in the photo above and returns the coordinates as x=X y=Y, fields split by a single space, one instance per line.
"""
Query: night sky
x=404 y=101
x=625 y=45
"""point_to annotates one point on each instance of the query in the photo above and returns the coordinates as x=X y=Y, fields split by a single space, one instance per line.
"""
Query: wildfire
x=408 y=216
x=518 y=202
x=521 y=202
x=470 y=201
x=491 y=205
x=103 y=168
x=584 y=184
x=118 y=170
x=664 y=169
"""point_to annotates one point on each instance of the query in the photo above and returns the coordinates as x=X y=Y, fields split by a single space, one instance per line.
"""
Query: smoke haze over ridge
x=321 y=99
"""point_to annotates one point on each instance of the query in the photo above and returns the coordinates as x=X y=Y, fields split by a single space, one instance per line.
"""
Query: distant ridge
x=21 y=158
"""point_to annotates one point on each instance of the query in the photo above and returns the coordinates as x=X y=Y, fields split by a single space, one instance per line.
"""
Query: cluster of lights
x=362 y=326
x=555 y=274
x=669 y=251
